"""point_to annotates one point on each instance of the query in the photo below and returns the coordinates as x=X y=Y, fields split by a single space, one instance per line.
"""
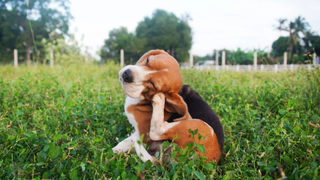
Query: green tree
x=311 y=42
x=26 y=22
x=280 y=46
x=121 y=39
x=294 y=28
x=241 y=57
x=165 y=31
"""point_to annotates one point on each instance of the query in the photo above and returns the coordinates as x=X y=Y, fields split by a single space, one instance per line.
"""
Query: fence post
x=224 y=60
x=276 y=68
x=15 y=58
x=121 y=58
x=285 y=60
x=51 y=58
x=255 y=61
x=217 y=59
x=249 y=67
x=261 y=67
x=314 y=58
x=238 y=68
x=191 y=59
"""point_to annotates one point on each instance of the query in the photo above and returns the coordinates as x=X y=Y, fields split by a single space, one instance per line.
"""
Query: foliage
x=64 y=52
x=239 y=57
x=166 y=31
x=61 y=123
x=295 y=44
x=25 y=23
x=162 y=31
x=121 y=39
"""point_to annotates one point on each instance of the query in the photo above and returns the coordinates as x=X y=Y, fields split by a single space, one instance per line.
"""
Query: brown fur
x=169 y=82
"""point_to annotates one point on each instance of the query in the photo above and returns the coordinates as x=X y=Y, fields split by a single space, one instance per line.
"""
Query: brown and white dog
x=160 y=108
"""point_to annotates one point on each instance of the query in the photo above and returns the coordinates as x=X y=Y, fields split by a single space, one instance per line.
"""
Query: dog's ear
x=175 y=103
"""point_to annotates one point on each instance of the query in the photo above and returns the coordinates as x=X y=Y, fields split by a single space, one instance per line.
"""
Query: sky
x=230 y=24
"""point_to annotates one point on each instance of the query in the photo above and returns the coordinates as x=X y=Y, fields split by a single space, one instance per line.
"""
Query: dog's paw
x=158 y=99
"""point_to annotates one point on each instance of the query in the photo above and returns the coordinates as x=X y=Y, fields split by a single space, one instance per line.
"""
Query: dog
x=160 y=108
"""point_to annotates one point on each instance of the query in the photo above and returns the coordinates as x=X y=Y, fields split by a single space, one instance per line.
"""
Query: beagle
x=157 y=107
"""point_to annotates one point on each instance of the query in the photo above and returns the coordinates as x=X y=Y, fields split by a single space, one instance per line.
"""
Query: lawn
x=61 y=123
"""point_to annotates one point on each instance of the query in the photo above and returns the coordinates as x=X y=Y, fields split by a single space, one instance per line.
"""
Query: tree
x=165 y=31
x=280 y=46
x=29 y=22
x=121 y=39
x=294 y=28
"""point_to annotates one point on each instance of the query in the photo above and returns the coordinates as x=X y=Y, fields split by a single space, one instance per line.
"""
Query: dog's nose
x=127 y=76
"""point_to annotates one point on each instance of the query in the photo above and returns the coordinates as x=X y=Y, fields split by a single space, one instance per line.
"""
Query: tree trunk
x=28 y=55
x=28 y=51
x=290 y=45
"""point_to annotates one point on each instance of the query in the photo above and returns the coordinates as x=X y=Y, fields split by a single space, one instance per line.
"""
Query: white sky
x=229 y=24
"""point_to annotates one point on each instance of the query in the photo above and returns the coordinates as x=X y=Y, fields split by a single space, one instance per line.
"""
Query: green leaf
x=282 y=111
x=208 y=166
x=199 y=175
x=201 y=148
x=187 y=169
x=182 y=158
x=40 y=163
x=57 y=137
x=83 y=167
x=74 y=174
x=54 y=152
x=287 y=159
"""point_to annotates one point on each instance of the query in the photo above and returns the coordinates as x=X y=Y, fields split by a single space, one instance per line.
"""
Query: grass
x=61 y=123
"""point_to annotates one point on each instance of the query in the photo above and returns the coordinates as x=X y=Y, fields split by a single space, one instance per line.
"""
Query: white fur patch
x=134 y=138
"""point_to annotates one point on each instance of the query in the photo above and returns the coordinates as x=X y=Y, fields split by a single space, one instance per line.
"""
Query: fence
x=254 y=67
x=262 y=67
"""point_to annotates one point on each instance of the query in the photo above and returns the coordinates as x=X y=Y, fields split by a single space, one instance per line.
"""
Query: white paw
x=154 y=136
x=158 y=99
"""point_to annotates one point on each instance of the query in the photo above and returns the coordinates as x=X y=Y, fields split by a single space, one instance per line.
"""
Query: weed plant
x=61 y=123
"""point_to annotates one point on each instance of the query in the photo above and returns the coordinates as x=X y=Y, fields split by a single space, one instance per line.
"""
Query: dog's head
x=156 y=71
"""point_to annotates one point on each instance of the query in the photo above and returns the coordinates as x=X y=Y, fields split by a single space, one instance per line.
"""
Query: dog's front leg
x=126 y=144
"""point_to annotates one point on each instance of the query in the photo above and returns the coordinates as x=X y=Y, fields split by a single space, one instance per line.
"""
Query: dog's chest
x=131 y=115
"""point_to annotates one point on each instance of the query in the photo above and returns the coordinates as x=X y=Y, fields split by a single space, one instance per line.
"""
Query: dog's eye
x=153 y=84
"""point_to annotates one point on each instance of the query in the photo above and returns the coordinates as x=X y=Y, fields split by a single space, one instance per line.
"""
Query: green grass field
x=61 y=123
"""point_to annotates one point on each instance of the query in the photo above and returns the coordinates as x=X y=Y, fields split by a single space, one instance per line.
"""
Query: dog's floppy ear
x=175 y=103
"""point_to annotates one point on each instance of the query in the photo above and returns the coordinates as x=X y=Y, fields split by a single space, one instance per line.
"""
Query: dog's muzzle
x=127 y=76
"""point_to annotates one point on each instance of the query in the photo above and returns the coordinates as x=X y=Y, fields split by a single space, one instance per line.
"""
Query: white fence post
x=314 y=58
x=276 y=68
x=191 y=59
x=121 y=58
x=255 y=61
x=238 y=68
x=285 y=61
x=249 y=67
x=224 y=60
x=15 y=58
x=217 y=60
x=51 y=58
x=261 y=67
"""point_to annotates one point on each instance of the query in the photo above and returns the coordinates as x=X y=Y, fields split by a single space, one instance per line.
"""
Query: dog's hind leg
x=158 y=126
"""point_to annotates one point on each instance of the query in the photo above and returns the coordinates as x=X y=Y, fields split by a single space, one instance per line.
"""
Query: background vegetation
x=61 y=123
x=36 y=27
